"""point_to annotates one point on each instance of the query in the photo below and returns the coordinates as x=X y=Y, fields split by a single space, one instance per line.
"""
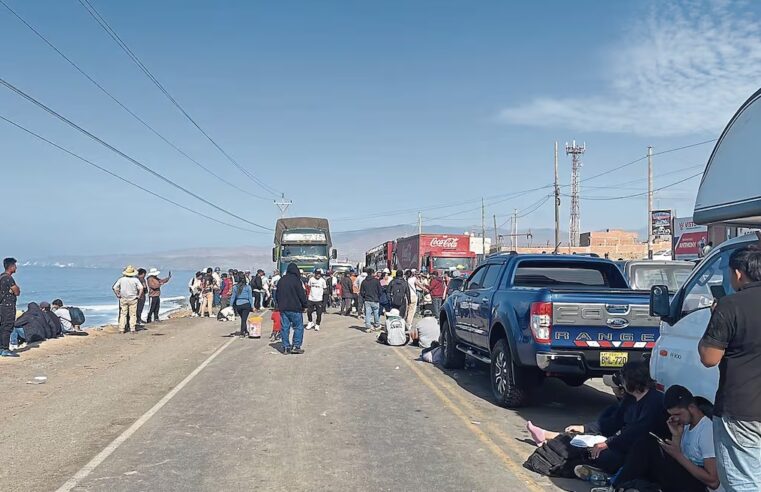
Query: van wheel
x=508 y=385
x=453 y=358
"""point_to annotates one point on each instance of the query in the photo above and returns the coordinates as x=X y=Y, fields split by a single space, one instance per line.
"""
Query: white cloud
x=684 y=70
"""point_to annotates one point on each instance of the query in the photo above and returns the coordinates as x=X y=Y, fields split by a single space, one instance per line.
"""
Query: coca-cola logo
x=445 y=242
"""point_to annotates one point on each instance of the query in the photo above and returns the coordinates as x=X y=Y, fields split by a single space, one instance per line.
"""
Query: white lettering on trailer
x=445 y=242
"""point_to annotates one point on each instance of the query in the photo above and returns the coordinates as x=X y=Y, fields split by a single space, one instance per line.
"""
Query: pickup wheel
x=507 y=383
x=453 y=358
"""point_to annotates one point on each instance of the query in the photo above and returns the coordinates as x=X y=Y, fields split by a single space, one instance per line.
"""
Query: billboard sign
x=661 y=220
x=689 y=239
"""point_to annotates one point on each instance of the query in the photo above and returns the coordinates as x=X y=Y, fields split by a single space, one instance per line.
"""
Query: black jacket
x=34 y=324
x=370 y=290
x=291 y=295
x=256 y=283
x=347 y=288
x=55 y=323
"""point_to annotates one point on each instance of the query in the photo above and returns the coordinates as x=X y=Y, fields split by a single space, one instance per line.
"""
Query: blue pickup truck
x=532 y=316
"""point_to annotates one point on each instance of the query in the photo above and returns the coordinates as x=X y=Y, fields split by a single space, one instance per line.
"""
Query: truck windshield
x=452 y=263
x=560 y=274
x=645 y=276
x=305 y=251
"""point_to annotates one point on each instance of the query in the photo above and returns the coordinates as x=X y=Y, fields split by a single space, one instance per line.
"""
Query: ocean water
x=90 y=290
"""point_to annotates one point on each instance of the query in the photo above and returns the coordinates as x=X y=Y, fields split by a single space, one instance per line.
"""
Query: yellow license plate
x=613 y=359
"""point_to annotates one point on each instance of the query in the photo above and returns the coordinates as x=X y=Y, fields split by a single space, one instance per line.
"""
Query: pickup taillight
x=541 y=321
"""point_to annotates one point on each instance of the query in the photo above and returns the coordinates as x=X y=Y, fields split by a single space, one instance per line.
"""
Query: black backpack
x=397 y=292
x=556 y=458
x=77 y=316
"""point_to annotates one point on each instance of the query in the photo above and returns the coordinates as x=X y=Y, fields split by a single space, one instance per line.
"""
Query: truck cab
x=445 y=265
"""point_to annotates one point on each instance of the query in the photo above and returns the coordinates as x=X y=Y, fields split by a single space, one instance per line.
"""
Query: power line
x=122 y=154
x=605 y=198
x=124 y=107
x=685 y=147
x=118 y=40
x=131 y=183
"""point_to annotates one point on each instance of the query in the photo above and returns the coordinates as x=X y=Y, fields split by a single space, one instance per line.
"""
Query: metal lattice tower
x=575 y=151
x=283 y=205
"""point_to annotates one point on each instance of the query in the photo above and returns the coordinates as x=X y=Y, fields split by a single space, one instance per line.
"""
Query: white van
x=728 y=195
x=675 y=358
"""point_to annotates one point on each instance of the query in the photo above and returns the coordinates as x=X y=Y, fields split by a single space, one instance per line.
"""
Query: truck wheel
x=453 y=358
x=507 y=385
x=574 y=381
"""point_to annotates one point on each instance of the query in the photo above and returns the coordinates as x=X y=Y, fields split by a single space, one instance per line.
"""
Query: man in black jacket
x=347 y=295
x=370 y=292
x=291 y=301
x=399 y=293
x=257 y=288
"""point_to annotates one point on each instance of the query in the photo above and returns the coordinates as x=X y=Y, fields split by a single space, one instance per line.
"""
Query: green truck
x=304 y=241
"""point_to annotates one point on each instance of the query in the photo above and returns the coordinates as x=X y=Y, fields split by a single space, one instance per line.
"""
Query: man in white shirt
x=412 y=306
x=426 y=330
x=128 y=289
x=687 y=461
x=275 y=279
x=317 y=286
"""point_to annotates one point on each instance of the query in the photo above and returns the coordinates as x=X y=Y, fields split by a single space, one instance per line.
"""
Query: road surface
x=184 y=407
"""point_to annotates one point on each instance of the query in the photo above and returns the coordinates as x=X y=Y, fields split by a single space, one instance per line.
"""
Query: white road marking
x=103 y=455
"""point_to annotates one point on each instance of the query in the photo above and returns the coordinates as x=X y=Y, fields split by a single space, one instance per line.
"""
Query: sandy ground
x=350 y=414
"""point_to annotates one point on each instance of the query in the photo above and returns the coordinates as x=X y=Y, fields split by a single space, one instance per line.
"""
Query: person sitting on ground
x=639 y=413
x=395 y=331
x=64 y=317
x=426 y=330
x=56 y=330
x=689 y=461
x=33 y=323
x=226 y=313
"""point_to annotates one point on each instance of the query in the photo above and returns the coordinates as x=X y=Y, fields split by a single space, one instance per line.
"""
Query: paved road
x=350 y=414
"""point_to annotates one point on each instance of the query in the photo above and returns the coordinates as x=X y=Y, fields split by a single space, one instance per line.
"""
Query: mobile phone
x=660 y=441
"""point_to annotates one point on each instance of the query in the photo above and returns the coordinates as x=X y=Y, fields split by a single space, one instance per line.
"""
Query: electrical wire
x=125 y=180
x=119 y=41
x=635 y=195
x=122 y=154
x=125 y=108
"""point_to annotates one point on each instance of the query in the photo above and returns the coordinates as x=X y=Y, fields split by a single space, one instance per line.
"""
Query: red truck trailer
x=443 y=253
x=380 y=257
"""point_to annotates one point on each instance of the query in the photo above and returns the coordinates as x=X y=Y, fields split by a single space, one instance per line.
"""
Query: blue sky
x=357 y=109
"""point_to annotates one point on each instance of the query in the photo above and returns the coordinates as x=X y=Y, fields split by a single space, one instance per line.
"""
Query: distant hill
x=351 y=245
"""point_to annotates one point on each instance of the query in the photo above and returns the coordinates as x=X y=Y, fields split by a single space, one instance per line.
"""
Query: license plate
x=613 y=359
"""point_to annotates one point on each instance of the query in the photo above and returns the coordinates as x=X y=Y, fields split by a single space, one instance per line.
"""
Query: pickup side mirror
x=660 y=304
x=274 y=255
x=334 y=254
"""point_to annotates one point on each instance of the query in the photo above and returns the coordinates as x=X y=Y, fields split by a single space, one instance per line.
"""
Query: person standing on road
x=194 y=286
x=399 y=293
x=154 y=293
x=257 y=286
x=412 y=304
x=141 y=272
x=370 y=292
x=317 y=286
x=225 y=291
x=275 y=279
x=291 y=301
x=128 y=290
x=732 y=341
x=347 y=294
x=437 y=289
x=242 y=302
x=9 y=292
x=207 y=294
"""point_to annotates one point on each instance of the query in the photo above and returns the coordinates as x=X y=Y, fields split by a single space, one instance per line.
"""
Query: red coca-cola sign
x=444 y=242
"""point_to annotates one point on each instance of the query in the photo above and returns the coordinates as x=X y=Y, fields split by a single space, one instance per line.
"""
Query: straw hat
x=153 y=273
x=129 y=271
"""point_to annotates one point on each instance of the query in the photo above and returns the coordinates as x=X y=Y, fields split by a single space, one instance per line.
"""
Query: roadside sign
x=689 y=238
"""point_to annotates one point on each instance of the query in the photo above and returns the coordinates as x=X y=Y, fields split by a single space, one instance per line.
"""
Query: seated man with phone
x=684 y=463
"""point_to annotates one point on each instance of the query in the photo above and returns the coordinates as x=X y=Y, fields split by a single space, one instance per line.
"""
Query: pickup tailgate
x=603 y=325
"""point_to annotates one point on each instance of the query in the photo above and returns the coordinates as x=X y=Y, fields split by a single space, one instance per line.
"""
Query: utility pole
x=283 y=204
x=557 y=202
x=575 y=151
x=483 y=228
x=420 y=222
x=515 y=225
x=496 y=236
x=650 y=202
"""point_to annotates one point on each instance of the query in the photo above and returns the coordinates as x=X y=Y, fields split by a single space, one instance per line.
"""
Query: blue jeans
x=295 y=320
x=436 y=306
x=17 y=333
x=372 y=309
x=738 y=453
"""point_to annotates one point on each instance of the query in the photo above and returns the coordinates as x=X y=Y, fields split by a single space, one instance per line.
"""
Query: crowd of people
x=41 y=321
